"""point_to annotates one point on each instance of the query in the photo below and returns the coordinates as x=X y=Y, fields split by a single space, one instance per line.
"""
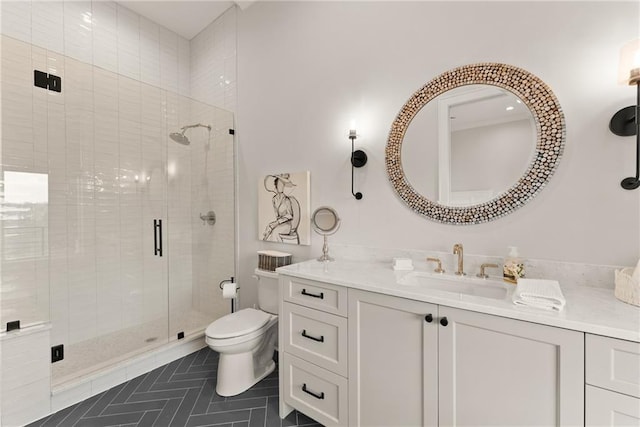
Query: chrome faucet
x=457 y=250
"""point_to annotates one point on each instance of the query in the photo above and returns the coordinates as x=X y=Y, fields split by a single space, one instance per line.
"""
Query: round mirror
x=325 y=221
x=475 y=143
x=468 y=145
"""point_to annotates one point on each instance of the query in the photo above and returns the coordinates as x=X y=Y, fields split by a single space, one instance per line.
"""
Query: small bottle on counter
x=513 y=266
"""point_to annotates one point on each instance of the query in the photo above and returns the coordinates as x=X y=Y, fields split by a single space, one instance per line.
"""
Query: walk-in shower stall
x=108 y=193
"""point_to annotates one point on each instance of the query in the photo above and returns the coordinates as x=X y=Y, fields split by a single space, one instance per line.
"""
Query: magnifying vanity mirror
x=325 y=221
x=475 y=143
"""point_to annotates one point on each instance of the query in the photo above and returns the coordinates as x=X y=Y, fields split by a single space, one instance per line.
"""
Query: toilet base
x=236 y=374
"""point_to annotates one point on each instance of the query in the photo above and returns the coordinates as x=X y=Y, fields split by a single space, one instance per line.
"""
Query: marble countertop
x=592 y=310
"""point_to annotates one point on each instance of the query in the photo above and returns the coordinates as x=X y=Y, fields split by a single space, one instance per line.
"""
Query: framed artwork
x=283 y=208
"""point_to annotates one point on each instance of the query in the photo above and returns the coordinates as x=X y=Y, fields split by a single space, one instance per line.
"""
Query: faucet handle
x=482 y=274
x=438 y=269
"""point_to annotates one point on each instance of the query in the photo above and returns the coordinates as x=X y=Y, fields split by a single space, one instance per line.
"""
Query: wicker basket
x=627 y=289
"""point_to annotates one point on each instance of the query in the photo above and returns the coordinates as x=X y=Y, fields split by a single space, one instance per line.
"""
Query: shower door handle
x=157 y=237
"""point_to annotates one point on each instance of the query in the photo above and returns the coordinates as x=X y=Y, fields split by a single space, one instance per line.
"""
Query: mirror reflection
x=469 y=145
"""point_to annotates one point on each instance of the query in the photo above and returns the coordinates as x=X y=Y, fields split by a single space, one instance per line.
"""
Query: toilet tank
x=267 y=290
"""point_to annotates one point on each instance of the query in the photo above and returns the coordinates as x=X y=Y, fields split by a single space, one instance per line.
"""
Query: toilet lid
x=239 y=323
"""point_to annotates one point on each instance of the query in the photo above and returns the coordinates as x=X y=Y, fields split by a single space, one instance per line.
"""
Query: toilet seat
x=239 y=324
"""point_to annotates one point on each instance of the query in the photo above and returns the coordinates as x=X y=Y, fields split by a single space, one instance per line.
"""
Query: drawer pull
x=304 y=292
x=317 y=396
x=304 y=334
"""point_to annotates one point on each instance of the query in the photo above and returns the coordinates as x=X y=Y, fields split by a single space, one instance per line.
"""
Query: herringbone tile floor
x=181 y=393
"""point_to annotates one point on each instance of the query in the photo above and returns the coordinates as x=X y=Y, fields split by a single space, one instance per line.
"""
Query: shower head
x=180 y=137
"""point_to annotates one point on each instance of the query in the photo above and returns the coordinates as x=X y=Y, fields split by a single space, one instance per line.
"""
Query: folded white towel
x=539 y=293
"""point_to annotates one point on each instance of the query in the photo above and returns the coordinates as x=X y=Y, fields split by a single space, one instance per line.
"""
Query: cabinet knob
x=444 y=321
x=428 y=318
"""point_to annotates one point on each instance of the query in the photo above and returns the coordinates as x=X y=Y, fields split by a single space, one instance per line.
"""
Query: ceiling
x=185 y=17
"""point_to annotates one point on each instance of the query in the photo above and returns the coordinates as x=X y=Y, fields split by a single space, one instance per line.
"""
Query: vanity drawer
x=318 y=295
x=613 y=364
x=608 y=408
x=315 y=336
x=316 y=392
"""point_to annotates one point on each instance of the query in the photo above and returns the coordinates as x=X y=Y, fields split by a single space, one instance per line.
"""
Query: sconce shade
x=629 y=68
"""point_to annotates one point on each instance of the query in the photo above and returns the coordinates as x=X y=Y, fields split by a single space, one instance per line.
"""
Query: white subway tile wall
x=81 y=258
x=26 y=377
x=213 y=62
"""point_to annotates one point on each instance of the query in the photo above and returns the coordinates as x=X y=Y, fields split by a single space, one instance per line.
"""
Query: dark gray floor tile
x=156 y=395
x=258 y=418
x=212 y=367
x=149 y=419
x=150 y=379
x=273 y=417
x=257 y=392
x=166 y=397
x=124 y=408
x=104 y=399
x=194 y=376
x=212 y=357
x=177 y=385
x=289 y=421
x=54 y=419
x=303 y=420
x=185 y=363
x=183 y=412
x=110 y=420
x=218 y=418
x=165 y=417
x=79 y=410
x=266 y=383
x=201 y=356
x=206 y=393
x=232 y=405
x=128 y=390
x=168 y=371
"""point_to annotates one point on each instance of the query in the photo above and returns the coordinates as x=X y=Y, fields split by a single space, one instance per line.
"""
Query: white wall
x=306 y=69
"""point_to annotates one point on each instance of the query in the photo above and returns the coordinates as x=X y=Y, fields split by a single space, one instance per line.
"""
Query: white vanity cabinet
x=393 y=361
x=412 y=363
x=498 y=371
x=613 y=382
x=313 y=350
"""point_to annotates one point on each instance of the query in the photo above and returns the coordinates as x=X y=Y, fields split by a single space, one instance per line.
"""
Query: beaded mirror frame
x=550 y=130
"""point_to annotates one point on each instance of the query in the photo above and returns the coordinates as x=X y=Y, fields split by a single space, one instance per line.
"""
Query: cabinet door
x=392 y=361
x=608 y=408
x=497 y=371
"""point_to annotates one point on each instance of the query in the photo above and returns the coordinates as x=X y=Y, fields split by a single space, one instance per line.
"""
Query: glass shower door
x=201 y=213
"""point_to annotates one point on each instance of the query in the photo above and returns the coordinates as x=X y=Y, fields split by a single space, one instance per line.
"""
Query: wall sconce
x=626 y=122
x=358 y=159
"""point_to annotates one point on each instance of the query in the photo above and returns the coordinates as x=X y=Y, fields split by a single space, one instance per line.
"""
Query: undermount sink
x=486 y=288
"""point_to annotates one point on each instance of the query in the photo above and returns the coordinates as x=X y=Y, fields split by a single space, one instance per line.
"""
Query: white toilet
x=246 y=340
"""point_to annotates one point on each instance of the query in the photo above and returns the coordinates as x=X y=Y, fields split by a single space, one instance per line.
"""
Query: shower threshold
x=86 y=358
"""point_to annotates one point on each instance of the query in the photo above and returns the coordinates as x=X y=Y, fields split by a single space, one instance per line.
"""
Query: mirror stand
x=325 y=251
x=325 y=221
